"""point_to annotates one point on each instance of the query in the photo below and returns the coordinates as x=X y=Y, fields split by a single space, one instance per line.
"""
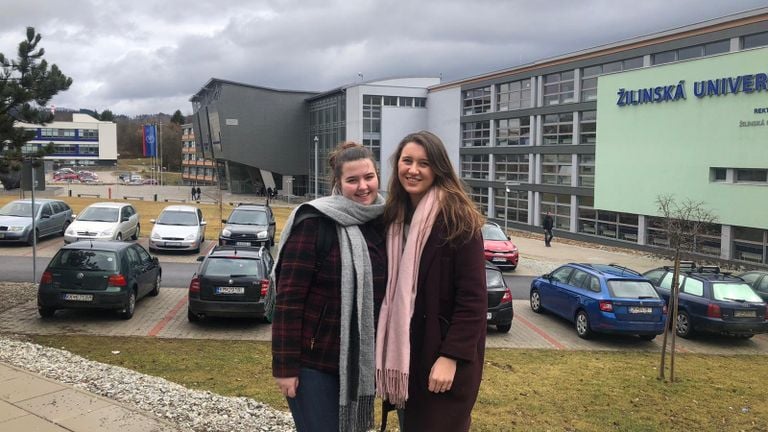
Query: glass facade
x=328 y=123
x=513 y=132
x=513 y=95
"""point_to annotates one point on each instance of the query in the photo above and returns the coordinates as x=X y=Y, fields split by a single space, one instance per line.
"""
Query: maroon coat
x=449 y=319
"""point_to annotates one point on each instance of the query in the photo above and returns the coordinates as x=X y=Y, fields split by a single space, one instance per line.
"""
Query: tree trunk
x=675 y=294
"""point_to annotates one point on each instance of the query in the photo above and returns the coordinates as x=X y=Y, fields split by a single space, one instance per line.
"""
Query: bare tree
x=684 y=222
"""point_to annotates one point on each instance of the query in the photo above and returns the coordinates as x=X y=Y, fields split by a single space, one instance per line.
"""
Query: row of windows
x=63 y=149
x=557 y=129
x=90 y=134
x=556 y=169
x=558 y=88
x=749 y=244
x=739 y=175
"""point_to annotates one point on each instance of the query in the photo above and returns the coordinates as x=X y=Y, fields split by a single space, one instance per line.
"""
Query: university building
x=195 y=170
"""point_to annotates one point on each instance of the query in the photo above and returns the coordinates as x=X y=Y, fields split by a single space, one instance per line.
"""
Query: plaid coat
x=306 y=324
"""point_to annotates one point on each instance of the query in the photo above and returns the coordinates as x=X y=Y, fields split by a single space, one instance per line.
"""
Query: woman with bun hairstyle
x=431 y=333
x=325 y=306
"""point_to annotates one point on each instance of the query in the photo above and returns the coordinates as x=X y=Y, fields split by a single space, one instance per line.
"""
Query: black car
x=712 y=301
x=758 y=280
x=231 y=281
x=500 y=312
x=249 y=225
x=98 y=275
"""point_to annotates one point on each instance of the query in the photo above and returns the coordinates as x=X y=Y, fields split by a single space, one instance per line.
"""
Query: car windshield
x=248 y=217
x=183 y=218
x=85 y=259
x=493 y=279
x=492 y=232
x=21 y=209
x=232 y=267
x=99 y=214
x=632 y=289
x=738 y=292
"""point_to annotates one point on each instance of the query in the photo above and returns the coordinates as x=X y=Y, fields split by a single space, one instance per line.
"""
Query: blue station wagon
x=603 y=298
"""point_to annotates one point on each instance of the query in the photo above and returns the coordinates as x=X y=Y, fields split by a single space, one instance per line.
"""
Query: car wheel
x=130 y=307
x=536 y=301
x=64 y=228
x=119 y=237
x=46 y=312
x=582 y=325
x=744 y=336
x=684 y=328
x=31 y=240
x=156 y=290
x=192 y=317
x=647 y=337
x=503 y=328
x=135 y=235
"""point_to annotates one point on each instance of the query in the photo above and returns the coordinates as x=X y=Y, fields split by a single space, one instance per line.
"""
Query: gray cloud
x=146 y=56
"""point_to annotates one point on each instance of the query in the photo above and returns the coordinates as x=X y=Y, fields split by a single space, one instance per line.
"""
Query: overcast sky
x=149 y=56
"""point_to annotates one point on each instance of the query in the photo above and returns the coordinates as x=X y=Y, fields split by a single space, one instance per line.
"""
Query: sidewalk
x=32 y=403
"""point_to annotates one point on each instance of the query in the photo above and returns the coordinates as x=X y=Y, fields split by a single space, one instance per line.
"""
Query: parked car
x=104 y=221
x=498 y=247
x=249 y=225
x=231 y=281
x=98 y=275
x=65 y=176
x=758 y=280
x=149 y=181
x=51 y=217
x=603 y=298
x=179 y=227
x=712 y=301
x=500 y=312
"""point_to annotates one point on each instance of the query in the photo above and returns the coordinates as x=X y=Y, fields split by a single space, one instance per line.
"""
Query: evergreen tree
x=26 y=87
x=178 y=118
x=107 y=115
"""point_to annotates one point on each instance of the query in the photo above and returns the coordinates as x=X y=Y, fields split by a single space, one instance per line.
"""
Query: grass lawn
x=528 y=390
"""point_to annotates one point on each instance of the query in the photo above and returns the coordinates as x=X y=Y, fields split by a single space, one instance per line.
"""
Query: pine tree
x=26 y=87
x=178 y=118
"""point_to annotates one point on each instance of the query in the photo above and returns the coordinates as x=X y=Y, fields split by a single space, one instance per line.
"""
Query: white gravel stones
x=188 y=409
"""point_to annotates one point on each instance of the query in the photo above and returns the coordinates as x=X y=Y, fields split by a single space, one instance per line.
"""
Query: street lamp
x=316 y=141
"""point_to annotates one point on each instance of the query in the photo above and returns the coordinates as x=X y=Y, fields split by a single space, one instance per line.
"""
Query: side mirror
x=509 y=238
x=200 y=258
x=74 y=216
x=124 y=219
x=547 y=276
x=152 y=220
x=224 y=220
x=203 y=223
x=156 y=260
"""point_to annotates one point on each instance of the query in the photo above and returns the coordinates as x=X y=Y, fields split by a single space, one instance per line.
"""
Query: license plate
x=173 y=243
x=488 y=316
x=499 y=260
x=640 y=310
x=78 y=297
x=242 y=243
x=744 y=314
x=230 y=290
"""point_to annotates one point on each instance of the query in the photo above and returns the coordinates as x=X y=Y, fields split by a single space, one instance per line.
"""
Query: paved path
x=32 y=403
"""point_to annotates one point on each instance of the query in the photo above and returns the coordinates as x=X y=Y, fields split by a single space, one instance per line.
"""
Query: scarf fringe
x=392 y=386
x=358 y=415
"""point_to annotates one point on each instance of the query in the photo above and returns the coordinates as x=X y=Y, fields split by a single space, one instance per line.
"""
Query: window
x=578 y=277
x=475 y=167
x=664 y=57
x=557 y=129
x=558 y=88
x=480 y=197
x=751 y=175
x=562 y=274
x=477 y=101
x=515 y=203
x=754 y=40
x=514 y=95
x=692 y=52
x=512 y=167
x=588 y=127
x=656 y=234
x=371 y=125
x=602 y=223
x=589 y=75
x=750 y=244
x=476 y=134
x=89 y=133
x=513 y=132
x=693 y=287
x=587 y=170
x=556 y=169
x=560 y=207
x=717 y=174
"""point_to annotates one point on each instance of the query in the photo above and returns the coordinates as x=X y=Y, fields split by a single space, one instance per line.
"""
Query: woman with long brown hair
x=431 y=333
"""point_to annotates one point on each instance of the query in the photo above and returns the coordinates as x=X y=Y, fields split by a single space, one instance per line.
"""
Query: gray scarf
x=357 y=364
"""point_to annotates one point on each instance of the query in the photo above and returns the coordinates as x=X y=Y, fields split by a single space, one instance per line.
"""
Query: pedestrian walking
x=430 y=342
x=548 y=224
x=198 y=192
x=194 y=193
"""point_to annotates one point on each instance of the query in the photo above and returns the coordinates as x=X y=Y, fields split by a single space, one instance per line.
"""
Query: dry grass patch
x=529 y=390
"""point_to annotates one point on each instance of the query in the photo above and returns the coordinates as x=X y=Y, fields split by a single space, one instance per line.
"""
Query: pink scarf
x=393 y=345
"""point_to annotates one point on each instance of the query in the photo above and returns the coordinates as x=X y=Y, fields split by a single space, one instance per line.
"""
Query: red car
x=498 y=248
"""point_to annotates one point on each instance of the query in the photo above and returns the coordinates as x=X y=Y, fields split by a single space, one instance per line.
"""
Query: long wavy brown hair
x=460 y=215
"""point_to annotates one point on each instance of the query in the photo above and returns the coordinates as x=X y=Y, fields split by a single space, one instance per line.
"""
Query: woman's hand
x=441 y=375
x=288 y=386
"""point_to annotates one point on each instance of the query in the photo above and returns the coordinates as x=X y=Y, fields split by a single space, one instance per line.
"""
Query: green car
x=98 y=275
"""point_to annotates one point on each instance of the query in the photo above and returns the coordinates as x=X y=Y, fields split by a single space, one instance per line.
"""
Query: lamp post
x=316 y=140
